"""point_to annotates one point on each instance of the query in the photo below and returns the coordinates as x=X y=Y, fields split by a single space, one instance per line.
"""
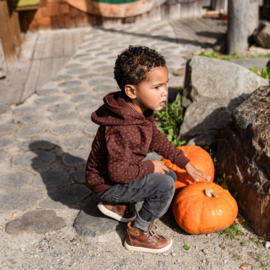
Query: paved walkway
x=44 y=145
x=42 y=56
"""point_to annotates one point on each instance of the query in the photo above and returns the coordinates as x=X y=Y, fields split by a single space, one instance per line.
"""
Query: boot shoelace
x=152 y=233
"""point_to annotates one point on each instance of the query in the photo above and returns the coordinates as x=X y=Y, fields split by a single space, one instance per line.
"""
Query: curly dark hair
x=132 y=65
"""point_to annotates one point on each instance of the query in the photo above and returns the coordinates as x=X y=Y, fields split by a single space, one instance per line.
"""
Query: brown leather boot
x=150 y=241
x=119 y=211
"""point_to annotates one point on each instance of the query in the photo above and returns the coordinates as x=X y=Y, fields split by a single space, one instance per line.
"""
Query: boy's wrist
x=150 y=167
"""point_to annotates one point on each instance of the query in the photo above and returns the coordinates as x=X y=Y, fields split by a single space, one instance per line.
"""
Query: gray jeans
x=156 y=190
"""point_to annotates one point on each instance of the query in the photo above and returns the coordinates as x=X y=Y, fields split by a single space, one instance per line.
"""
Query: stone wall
x=55 y=14
x=244 y=157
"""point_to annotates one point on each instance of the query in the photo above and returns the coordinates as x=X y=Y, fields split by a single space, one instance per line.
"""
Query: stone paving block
x=4 y=109
x=109 y=74
x=16 y=180
x=51 y=178
x=44 y=143
x=105 y=88
x=86 y=117
x=65 y=129
x=97 y=63
x=94 y=50
x=87 y=106
x=72 y=66
x=3 y=156
x=91 y=129
x=75 y=90
x=258 y=62
x=49 y=203
x=103 y=53
x=91 y=222
x=31 y=130
x=47 y=92
x=75 y=142
x=111 y=57
x=75 y=158
x=7 y=128
x=79 y=176
x=69 y=83
x=100 y=96
x=47 y=100
x=81 y=98
x=16 y=200
x=27 y=109
x=60 y=107
x=82 y=55
x=70 y=194
x=6 y=142
x=89 y=76
x=29 y=119
x=101 y=81
x=62 y=77
x=87 y=59
x=33 y=159
x=36 y=221
x=104 y=68
x=77 y=71
x=64 y=116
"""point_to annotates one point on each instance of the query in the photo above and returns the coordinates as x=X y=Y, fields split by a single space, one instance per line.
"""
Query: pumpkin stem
x=210 y=193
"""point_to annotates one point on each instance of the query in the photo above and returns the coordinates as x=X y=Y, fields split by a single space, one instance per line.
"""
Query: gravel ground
x=64 y=249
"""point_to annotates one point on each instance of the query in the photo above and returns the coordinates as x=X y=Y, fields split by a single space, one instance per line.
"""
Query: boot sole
x=150 y=250
x=113 y=215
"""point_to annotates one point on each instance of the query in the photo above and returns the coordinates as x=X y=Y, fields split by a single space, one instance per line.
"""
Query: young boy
x=115 y=169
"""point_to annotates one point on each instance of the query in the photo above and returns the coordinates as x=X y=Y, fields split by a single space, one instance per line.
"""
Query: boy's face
x=152 y=92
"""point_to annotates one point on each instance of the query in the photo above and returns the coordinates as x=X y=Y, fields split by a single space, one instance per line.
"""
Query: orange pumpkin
x=199 y=158
x=204 y=208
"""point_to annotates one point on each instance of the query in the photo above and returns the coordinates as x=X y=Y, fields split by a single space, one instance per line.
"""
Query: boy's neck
x=134 y=106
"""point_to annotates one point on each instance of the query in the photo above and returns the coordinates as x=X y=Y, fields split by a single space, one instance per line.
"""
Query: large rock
x=204 y=117
x=208 y=78
x=244 y=157
x=262 y=35
x=214 y=88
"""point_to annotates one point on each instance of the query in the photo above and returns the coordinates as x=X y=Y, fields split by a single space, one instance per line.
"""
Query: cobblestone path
x=44 y=144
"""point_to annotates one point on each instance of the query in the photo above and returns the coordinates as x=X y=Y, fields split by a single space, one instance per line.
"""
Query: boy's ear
x=130 y=91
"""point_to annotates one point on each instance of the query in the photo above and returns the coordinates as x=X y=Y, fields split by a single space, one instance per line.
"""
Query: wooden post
x=6 y=32
x=3 y=65
x=253 y=16
x=237 y=26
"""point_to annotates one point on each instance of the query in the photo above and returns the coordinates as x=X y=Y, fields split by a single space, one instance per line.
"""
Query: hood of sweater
x=116 y=112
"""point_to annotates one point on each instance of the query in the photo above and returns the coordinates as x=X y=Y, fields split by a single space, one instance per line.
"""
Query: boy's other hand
x=160 y=167
x=192 y=171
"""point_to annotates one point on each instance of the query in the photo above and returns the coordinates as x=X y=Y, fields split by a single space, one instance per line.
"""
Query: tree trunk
x=237 y=26
x=253 y=16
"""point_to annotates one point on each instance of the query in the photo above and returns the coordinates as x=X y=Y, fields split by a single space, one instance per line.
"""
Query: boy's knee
x=166 y=184
x=173 y=175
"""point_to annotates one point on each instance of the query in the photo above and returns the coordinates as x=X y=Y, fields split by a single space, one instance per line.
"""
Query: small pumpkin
x=204 y=208
x=199 y=158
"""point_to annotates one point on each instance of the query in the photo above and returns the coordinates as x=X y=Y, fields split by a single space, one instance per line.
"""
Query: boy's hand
x=160 y=167
x=192 y=171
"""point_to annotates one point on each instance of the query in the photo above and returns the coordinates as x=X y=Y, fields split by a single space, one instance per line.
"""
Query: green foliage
x=233 y=231
x=230 y=57
x=237 y=257
x=263 y=73
x=245 y=243
x=186 y=247
x=216 y=55
x=171 y=116
x=19 y=103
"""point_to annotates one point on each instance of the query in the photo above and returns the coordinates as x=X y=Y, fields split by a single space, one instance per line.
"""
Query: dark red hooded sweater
x=122 y=142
